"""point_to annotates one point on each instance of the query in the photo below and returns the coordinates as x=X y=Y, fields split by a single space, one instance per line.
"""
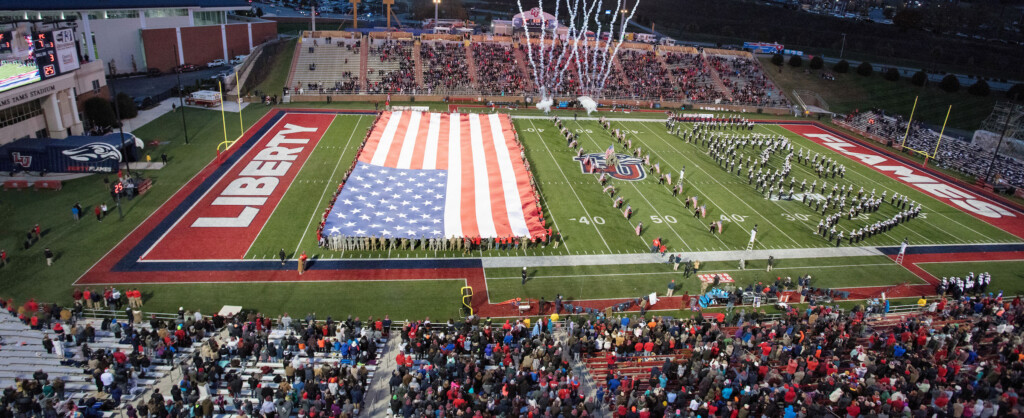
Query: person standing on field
x=283 y=256
x=302 y=263
x=49 y=256
x=771 y=262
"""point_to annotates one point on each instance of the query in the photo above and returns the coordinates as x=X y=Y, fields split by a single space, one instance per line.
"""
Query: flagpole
x=238 y=88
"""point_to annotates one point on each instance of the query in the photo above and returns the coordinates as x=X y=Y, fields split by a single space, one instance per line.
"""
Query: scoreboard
x=54 y=52
x=44 y=51
x=5 y=43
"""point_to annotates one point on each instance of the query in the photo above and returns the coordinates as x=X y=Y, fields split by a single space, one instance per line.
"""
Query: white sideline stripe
x=513 y=205
x=433 y=132
x=482 y=191
x=453 y=194
x=381 y=153
x=409 y=143
x=239 y=201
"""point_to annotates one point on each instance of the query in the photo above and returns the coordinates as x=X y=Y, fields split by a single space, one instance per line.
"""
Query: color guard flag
x=434 y=175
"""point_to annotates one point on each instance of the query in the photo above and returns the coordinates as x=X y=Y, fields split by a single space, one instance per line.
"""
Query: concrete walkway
x=155 y=165
x=377 y=401
x=617 y=259
x=164 y=107
x=31 y=178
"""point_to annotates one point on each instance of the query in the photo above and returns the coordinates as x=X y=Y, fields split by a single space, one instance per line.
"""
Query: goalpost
x=925 y=153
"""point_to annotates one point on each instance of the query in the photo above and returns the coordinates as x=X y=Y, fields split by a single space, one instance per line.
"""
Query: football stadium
x=351 y=210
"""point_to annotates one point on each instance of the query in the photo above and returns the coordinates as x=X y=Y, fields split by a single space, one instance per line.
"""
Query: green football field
x=575 y=204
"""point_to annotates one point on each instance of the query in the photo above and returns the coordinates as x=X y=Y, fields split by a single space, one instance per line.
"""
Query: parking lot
x=143 y=86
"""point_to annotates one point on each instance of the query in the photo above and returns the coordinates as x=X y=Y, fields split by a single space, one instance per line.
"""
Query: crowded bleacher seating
x=693 y=77
x=496 y=69
x=390 y=67
x=955 y=358
x=304 y=366
x=642 y=76
x=955 y=153
x=747 y=82
x=444 y=66
x=509 y=369
x=56 y=360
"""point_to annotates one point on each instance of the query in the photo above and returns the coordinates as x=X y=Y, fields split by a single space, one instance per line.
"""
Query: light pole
x=181 y=99
x=436 y=3
x=120 y=127
x=995 y=154
x=843 y=47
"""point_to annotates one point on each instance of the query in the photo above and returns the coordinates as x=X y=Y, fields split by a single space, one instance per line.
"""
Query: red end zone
x=224 y=222
x=965 y=200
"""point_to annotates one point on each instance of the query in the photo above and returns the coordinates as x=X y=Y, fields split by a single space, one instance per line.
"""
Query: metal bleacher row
x=22 y=355
x=247 y=367
x=325 y=64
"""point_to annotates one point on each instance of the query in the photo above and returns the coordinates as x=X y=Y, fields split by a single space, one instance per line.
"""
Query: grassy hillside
x=851 y=91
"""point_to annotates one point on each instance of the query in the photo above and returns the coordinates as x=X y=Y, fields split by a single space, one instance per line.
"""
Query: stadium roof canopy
x=11 y=5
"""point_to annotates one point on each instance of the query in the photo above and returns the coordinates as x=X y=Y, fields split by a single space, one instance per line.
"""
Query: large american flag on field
x=434 y=175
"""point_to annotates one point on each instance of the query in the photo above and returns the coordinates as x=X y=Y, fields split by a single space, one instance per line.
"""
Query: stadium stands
x=746 y=81
x=497 y=70
x=818 y=362
x=640 y=75
x=302 y=367
x=693 y=77
x=441 y=66
x=938 y=357
x=511 y=369
x=390 y=66
x=80 y=359
x=445 y=68
x=326 y=65
x=955 y=153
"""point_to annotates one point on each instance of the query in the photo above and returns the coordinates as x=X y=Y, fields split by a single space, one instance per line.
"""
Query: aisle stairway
x=364 y=53
x=471 y=64
x=668 y=71
x=717 y=80
x=378 y=394
x=524 y=65
x=419 y=63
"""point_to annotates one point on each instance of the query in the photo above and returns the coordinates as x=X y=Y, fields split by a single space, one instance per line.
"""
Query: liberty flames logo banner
x=22 y=160
x=626 y=166
x=94 y=152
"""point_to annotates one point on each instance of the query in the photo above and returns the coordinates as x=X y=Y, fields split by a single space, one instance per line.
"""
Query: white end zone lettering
x=955 y=196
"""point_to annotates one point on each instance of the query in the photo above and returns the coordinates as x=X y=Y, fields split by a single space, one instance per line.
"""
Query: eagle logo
x=94 y=152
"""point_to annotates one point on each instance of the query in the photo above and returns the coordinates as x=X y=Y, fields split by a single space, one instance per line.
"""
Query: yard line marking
x=585 y=211
x=321 y=201
x=673 y=272
x=722 y=186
